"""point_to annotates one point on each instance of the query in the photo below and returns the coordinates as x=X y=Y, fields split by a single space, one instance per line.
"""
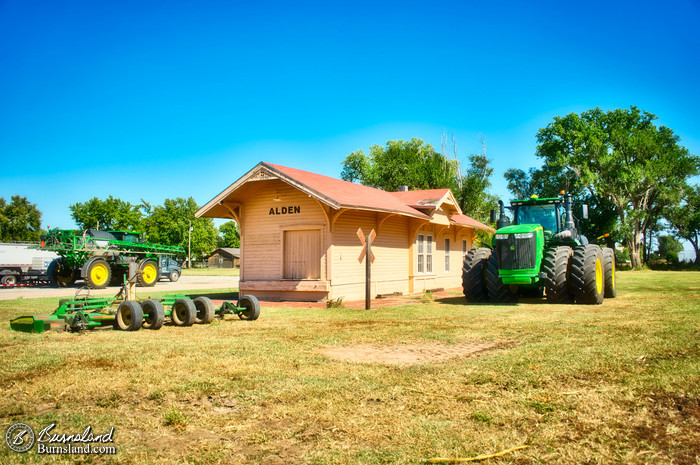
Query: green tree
x=230 y=236
x=108 y=214
x=669 y=248
x=20 y=220
x=621 y=156
x=168 y=224
x=685 y=218
x=401 y=163
x=473 y=192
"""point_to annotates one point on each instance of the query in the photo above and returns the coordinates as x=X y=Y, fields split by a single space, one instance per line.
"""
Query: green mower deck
x=130 y=315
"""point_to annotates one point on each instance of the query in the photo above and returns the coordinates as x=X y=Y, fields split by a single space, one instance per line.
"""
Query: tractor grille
x=516 y=254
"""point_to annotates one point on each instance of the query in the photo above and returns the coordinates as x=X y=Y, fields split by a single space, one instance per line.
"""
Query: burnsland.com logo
x=20 y=438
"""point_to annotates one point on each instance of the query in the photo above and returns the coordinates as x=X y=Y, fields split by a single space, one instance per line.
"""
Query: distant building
x=299 y=236
x=225 y=257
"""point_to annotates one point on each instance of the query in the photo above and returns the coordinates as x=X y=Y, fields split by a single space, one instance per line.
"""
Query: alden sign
x=285 y=210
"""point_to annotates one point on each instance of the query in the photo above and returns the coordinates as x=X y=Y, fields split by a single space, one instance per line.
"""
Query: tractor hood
x=519 y=229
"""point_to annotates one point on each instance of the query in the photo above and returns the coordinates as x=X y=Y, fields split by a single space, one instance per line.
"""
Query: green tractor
x=100 y=257
x=541 y=252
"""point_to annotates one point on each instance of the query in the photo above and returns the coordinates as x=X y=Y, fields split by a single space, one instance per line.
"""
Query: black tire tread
x=251 y=303
x=496 y=290
x=473 y=268
x=205 y=310
x=583 y=284
x=556 y=264
x=609 y=269
x=190 y=312
x=153 y=310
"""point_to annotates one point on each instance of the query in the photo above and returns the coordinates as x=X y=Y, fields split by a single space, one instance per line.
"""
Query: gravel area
x=184 y=283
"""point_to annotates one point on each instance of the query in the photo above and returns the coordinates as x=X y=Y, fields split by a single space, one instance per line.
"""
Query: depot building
x=299 y=236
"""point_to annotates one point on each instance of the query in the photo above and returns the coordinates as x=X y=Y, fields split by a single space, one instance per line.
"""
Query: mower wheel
x=587 y=276
x=556 y=264
x=251 y=305
x=497 y=291
x=183 y=312
x=98 y=274
x=148 y=276
x=129 y=316
x=609 y=269
x=205 y=310
x=153 y=314
x=174 y=276
x=473 y=271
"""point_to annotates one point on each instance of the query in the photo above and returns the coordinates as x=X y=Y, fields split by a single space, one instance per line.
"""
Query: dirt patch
x=407 y=354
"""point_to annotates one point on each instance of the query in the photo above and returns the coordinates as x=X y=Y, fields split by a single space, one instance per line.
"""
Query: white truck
x=20 y=262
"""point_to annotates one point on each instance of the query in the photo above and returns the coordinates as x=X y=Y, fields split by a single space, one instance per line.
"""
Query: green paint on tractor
x=540 y=251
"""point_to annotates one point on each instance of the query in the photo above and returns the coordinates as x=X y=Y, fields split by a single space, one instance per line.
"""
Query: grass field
x=617 y=383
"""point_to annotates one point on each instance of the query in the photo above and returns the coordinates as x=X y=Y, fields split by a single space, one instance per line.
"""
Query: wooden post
x=368 y=274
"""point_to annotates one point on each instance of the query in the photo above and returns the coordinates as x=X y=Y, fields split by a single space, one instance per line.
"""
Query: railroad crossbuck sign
x=367 y=251
x=371 y=237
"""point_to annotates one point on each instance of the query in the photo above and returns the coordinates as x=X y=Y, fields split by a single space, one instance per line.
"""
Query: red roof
x=347 y=194
x=343 y=194
x=424 y=198
x=469 y=221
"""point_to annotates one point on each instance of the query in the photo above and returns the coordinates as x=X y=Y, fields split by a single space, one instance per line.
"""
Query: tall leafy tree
x=669 y=248
x=685 y=218
x=473 y=192
x=621 y=156
x=20 y=220
x=110 y=213
x=168 y=224
x=401 y=163
x=230 y=236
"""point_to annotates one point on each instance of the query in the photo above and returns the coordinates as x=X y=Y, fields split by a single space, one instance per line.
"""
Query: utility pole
x=189 y=245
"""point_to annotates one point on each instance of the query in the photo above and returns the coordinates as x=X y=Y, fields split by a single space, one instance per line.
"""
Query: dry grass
x=617 y=383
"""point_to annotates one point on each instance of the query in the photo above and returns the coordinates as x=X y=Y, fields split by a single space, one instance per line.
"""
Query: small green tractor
x=100 y=257
x=541 y=252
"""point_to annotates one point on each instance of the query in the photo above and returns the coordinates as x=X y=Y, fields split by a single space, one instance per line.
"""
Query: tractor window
x=545 y=215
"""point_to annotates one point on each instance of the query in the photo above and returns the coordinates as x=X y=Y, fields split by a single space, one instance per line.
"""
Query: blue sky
x=158 y=100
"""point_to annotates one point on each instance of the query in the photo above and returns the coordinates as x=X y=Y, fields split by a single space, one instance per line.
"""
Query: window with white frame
x=447 y=255
x=425 y=253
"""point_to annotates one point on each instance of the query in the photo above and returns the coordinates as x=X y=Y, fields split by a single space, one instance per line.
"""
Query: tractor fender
x=86 y=265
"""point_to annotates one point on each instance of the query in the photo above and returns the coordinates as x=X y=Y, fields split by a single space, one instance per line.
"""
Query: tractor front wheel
x=98 y=274
x=497 y=291
x=129 y=316
x=609 y=269
x=473 y=271
x=587 y=275
x=59 y=274
x=556 y=264
x=148 y=276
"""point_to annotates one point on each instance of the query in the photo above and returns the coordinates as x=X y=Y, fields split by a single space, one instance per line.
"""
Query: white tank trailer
x=22 y=263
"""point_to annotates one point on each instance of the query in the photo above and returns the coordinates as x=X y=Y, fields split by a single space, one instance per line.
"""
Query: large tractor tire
x=98 y=274
x=496 y=290
x=587 y=275
x=473 y=271
x=148 y=273
x=153 y=314
x=609 y=270
x=205 y=310
x=59 y=274
x=556 y=264
x=183 y=313
x=129 y=316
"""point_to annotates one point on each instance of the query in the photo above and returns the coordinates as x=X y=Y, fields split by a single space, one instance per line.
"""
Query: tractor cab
x=127 y=236
x=548 y=213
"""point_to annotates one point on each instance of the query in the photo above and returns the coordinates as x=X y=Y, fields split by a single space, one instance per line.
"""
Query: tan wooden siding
x=390 y=269
x=262 y=232
x=439 y=278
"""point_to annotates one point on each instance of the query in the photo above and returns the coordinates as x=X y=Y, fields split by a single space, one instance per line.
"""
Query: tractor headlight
x=501 y=237
x=524 y=236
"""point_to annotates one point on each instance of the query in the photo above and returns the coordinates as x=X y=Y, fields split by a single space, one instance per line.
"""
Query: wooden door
x=302 y=254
